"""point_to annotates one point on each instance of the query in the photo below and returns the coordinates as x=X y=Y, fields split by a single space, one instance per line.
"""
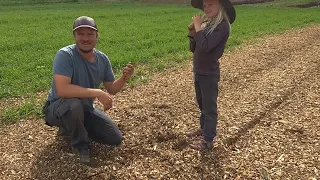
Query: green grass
x=286 y=3
x=28 y=2
x=151 y=36
x=128 y=32
x=13 y=114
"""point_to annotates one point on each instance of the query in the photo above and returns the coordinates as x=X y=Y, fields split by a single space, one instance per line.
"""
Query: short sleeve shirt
x=68 y=62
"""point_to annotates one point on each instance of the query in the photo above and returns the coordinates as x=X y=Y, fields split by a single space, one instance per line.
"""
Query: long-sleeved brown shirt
x=208 y=48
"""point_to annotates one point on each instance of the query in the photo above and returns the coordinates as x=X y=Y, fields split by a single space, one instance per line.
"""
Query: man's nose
x=85 y=37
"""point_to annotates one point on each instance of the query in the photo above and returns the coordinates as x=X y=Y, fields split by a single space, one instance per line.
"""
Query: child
x=208 y=36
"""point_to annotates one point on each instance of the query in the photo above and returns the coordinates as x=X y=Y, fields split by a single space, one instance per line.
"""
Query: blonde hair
x=211 y=24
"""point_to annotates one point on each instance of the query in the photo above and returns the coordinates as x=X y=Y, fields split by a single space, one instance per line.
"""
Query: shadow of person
x=209 y=167
x=57 y=161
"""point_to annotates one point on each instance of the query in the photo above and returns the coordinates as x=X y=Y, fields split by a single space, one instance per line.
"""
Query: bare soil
x=269 y=112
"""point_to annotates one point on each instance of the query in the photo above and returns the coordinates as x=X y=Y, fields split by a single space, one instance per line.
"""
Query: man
x=78 y=70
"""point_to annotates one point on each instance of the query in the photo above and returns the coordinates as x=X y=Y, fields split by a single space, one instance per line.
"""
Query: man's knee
x=71 y=110
x=75 y=104
x=114 y=140
x=56 y=111
x=117 y=140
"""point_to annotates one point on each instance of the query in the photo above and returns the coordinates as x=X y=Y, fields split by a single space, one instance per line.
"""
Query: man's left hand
x=127 y=71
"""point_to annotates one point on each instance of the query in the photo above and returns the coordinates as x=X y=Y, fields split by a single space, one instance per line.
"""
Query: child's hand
x=191 y=27
x=192 y=31
x=197 y=21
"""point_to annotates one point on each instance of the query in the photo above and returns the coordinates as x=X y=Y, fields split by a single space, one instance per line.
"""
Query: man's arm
x=62 y=73
x=67 y=90
x=115 y=86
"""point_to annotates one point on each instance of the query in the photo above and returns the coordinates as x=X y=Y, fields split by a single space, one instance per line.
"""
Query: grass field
x=286 y=3
x=152 y=36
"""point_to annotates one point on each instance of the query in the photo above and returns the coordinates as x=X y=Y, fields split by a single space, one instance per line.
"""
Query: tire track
x=261 y=146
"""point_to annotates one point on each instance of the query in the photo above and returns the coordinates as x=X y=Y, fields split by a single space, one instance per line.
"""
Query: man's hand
x=127 y=71
x=197 y=21
x=105 y=100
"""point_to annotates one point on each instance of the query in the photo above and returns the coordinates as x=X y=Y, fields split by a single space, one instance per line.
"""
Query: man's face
x=86 y=39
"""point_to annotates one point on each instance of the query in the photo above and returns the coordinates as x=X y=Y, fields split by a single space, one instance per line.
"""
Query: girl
x=208 y=36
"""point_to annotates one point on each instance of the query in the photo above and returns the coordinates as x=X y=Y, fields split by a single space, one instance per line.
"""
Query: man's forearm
x=117 y=85
x=74 y=91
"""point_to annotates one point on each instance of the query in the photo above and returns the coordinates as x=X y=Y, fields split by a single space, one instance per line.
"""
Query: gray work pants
x=81 y=125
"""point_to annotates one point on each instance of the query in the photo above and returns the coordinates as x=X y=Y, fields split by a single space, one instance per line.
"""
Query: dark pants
x=82 y=125
x=206 y=88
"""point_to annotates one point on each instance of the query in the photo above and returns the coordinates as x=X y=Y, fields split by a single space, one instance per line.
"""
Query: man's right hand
x=105 y=100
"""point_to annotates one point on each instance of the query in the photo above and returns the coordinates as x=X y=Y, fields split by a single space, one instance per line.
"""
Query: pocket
x=62 y=109
x=54 y=112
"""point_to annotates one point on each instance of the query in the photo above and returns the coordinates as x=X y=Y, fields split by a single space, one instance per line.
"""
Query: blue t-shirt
x=68 y=62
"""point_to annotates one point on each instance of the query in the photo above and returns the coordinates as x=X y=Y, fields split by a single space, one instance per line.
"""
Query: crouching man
x=78 y=71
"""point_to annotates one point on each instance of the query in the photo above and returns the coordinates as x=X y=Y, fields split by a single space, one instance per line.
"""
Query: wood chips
x=269 y=123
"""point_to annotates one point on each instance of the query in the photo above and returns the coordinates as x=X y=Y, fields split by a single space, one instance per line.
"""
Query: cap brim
x=85 y=26
x=231 y=12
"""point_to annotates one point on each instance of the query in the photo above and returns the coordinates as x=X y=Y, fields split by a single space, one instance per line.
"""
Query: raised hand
x=128 y=71
x=197 y=21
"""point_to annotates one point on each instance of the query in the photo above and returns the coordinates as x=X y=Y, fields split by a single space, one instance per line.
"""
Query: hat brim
x=227 y=5
x=88 y=26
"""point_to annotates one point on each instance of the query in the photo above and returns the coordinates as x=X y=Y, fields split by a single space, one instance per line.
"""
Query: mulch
x=269 y=111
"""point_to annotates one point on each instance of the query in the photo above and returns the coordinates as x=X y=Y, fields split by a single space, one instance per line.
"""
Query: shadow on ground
x=209 y=167
x=57 y=162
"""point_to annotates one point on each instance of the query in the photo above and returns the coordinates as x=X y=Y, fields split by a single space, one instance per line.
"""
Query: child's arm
x=207 y=42
x=192 y=44
x=192 y=33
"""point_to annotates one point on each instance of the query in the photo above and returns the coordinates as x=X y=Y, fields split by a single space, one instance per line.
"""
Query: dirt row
x=268 y=123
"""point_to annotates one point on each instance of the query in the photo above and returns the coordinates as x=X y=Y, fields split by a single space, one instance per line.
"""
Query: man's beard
x=85 y=51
